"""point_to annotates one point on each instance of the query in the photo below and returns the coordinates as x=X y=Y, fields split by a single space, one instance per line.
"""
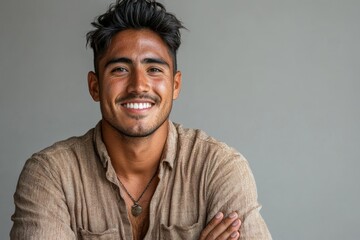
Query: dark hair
x=134 y=14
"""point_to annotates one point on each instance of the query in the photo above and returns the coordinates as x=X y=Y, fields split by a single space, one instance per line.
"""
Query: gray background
x=276 y=79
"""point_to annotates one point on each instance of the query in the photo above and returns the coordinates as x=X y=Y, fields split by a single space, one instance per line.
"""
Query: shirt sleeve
x=232 y=188
x=40 y=207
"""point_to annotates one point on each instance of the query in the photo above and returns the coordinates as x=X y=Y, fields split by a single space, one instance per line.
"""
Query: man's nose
x=138 y=83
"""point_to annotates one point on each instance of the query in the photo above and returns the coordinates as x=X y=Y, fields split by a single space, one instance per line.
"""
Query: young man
x=137 y=175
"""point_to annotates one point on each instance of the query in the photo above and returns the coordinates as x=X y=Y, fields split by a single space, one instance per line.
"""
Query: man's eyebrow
x=118 y=60
x=156 y=60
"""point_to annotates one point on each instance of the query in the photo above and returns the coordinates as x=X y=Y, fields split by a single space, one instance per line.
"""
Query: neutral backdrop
x=276 y=79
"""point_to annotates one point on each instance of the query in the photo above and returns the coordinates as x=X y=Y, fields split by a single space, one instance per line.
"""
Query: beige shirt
x=70 y=191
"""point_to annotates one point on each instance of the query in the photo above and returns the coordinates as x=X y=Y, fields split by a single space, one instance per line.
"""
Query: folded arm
x=40 y=208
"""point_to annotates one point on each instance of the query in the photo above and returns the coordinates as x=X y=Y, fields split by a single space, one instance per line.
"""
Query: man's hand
x=221 y=228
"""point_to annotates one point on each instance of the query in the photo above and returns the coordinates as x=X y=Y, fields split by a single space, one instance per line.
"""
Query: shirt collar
x=100 y=145
x=169 y=152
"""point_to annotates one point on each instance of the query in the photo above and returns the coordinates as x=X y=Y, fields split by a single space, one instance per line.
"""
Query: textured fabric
x=70 y=191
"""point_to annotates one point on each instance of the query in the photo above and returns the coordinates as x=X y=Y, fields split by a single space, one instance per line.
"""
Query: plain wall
x=276 y=79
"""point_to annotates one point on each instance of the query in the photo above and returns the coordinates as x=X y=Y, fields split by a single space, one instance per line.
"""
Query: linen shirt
x=71 y=191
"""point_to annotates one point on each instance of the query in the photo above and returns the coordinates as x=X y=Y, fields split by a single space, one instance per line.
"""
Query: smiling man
x=137 y=175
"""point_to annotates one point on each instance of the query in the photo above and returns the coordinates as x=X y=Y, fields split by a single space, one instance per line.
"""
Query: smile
x=137 y=105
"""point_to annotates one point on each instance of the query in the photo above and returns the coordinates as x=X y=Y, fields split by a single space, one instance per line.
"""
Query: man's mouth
x=141 y=105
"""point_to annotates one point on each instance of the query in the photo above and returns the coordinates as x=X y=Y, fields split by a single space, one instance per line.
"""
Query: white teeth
x=137 y=105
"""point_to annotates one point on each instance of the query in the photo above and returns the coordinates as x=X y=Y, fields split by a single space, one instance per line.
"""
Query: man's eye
x=154 y=70
x=119 y=69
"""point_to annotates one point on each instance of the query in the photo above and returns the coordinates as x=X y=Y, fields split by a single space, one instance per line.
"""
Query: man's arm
x=40 y=208
x=232 y=187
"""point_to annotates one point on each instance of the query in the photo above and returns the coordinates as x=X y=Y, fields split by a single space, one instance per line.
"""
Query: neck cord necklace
x=136 y=209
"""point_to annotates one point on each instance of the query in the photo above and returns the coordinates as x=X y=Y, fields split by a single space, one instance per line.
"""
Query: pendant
x=136 y=210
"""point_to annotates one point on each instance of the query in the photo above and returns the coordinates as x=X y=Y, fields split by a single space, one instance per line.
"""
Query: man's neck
x=133 y=157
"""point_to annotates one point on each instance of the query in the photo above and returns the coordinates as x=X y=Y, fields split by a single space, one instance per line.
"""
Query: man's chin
x=137 y=132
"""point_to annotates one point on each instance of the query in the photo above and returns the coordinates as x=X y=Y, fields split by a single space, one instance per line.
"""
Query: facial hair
x=141 y=133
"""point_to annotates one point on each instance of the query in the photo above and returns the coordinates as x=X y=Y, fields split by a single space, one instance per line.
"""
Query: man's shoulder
x=67 y=149
x=198 y=139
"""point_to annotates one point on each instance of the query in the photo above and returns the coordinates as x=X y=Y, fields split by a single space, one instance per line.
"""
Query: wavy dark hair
x=134 y=14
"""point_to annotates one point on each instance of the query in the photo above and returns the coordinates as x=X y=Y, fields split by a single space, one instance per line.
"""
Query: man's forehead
x=132 y=39
x=137 y=45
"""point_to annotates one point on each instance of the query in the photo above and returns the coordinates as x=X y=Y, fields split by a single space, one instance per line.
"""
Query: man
x=137 y=175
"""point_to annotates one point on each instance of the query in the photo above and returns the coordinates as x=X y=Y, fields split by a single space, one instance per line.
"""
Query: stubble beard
x=140 y=132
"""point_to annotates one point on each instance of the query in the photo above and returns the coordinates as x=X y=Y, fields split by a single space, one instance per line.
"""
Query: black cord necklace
x=136 y=209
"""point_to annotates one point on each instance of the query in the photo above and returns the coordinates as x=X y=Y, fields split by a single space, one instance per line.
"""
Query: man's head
x=135 y=78
x=134 y=14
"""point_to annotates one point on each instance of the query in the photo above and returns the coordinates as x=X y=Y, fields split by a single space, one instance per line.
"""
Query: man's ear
x=177 y=85
x=93 y=84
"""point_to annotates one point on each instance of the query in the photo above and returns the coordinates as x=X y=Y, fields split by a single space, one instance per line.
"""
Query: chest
x=138 y=211
x=171 y=210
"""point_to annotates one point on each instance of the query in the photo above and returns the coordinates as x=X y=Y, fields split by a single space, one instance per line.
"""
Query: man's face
x=135 y=83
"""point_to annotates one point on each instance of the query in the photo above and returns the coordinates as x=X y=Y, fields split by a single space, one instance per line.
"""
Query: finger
x=232 y=232
x=211 y=225
x=225 y=228
x=234 y=236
